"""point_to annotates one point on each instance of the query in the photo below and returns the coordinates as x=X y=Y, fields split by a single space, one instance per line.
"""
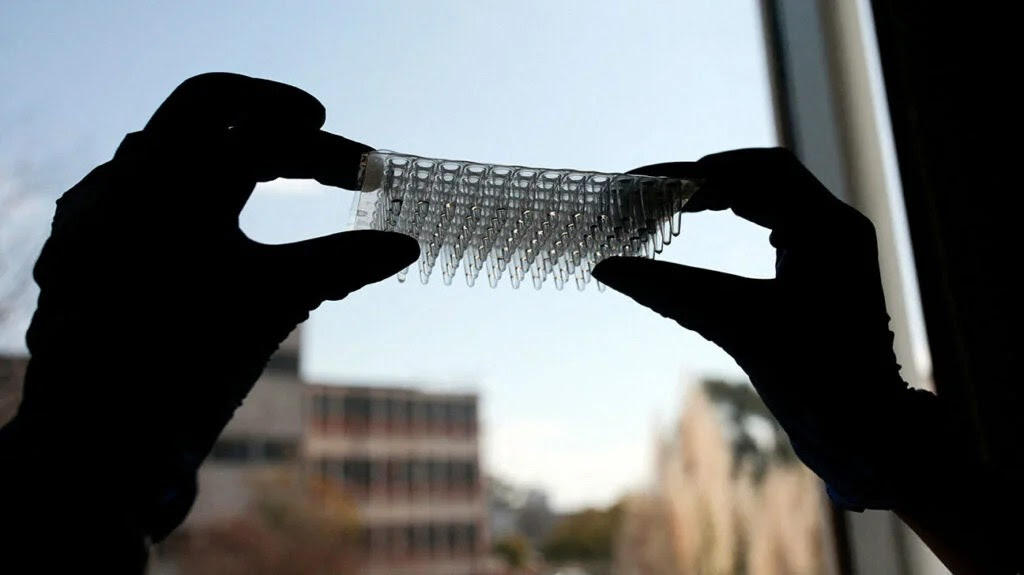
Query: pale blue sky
x=572 y=383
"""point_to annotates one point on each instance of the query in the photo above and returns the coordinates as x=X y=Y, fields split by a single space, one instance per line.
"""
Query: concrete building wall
x=274 y=408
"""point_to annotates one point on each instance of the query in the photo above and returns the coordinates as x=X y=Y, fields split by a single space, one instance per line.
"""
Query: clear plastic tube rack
x=530 y=224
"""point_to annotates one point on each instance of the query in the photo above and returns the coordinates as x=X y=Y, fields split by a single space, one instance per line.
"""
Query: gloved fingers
x=718 y=306
x=218 y=101
x=249 y=156
x=269 y=154
x=771 y=188
x=812 y=229
x=219 y=134
x=331 y=267
x=685 y=170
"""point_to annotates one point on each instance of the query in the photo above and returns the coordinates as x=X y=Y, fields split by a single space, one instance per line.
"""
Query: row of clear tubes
x=528 y=224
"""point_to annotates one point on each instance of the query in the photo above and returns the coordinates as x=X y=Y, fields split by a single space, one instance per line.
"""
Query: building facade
x=411 y=461
x=408 y=462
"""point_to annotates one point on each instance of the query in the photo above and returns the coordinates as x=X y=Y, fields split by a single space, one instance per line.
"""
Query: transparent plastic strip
x=527 y=224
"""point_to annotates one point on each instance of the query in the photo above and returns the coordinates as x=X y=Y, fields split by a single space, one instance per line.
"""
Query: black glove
x=157 y=314
x=815 y=340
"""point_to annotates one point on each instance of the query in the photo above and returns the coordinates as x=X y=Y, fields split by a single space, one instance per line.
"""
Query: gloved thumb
x=714 y=304
x=331 y=267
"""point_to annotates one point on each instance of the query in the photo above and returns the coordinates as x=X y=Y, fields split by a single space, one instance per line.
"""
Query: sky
x=573 y=385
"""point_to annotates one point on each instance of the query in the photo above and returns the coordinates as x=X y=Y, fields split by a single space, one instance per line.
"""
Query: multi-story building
x=410 y=459
x=407 y=460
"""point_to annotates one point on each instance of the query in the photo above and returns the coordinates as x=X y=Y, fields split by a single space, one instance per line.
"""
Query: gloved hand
x=815 y=340
x=157 y=314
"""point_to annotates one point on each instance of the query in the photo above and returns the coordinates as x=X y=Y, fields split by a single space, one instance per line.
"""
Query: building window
x=401 y=477
x=460 y=421
x=276 y=450
x=284 y=362
x=437 y=474
x=336 y=407
x=471 y=416
x=421 y=474
x=379 y=411
x=357 y=473
x=399 y=474
x=332 y=469
x=399 y=541
x=320 y=403
x=231 y=450
x=397 y=414
x=357 y=411
x=455 y=542
x=448 y=417
x=458 y=475
x=436 y=416
x=379 y=541
x=419 y=415
x=433 y=542
x=448 y=475
x=248 y=450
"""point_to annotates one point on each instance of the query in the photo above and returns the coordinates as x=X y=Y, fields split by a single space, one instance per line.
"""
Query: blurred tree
x=585 y=536
x=514 y=551
x=535 y=518
x=728 y=496
x=294 y=527
x=746 y=415
x=519 y=510
x=644 y=543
